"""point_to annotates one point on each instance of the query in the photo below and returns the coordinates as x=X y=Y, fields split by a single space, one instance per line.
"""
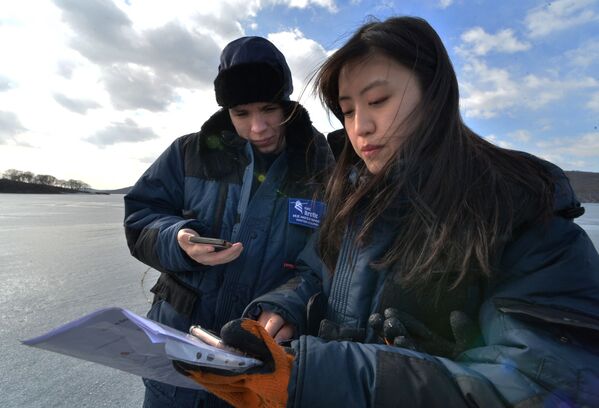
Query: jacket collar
x=218 y=137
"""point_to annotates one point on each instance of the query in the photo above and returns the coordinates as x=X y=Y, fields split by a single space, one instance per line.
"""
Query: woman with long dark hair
x=448 y=271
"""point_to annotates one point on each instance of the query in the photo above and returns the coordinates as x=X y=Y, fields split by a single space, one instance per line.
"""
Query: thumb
x=465 y=331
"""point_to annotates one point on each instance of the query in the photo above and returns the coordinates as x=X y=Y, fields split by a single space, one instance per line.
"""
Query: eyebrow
x=373 y=84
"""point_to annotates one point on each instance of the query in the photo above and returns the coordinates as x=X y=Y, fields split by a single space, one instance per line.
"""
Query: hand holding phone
x=214 y=251
x=217 y=243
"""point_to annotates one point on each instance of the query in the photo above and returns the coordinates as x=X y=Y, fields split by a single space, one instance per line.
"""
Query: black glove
x=401 y=329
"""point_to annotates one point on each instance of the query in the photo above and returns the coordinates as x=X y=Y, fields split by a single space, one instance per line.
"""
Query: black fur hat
x=252 y=69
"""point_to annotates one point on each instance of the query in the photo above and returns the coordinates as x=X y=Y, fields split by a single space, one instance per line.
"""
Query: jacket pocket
x=180 y=297
x=567 y=368
x=568 y=326
x=550 y=314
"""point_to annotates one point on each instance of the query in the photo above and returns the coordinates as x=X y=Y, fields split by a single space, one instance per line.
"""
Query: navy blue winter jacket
x=203 y=182
x=539 y=319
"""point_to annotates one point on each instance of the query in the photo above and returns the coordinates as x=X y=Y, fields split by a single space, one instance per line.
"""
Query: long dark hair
x=454 y=196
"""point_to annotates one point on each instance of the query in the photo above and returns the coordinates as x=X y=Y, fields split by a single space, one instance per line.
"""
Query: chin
x=267 y=150
x=373 y=168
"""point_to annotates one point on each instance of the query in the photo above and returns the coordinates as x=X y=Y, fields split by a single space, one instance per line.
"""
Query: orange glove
x=263 y=386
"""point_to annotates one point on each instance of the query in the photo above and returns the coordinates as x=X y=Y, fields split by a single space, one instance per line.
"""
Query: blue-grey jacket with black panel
x=539 y=319
x=203 y=182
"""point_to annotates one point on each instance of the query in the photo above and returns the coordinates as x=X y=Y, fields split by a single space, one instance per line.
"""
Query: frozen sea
x=63 y=256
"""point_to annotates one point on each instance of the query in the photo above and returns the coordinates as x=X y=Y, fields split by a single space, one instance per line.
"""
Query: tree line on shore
x=585 y=184
x=44 y=179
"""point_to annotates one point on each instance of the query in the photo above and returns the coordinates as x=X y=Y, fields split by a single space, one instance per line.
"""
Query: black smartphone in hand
x=217 y=243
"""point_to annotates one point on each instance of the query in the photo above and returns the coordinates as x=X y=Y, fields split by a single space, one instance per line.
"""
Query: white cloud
x=521 y=135
x=153 y=60
x=584 y=56
x=65 y=68
x=133 y=87
x=583 y=146
x=552 y=17
x=220 y=18
x=327 y=4
x=10 y=126
x=174 y=54
x=304 y=56
x=571 y=152
x=488 y=91
x=477 y=41
x=120 y=132
x=5 y=83
x=145 y=62
x=540 y=91
x=498 y=142
x=80 y=106
x=593 y=103
x=148 y=159
x=445 y=3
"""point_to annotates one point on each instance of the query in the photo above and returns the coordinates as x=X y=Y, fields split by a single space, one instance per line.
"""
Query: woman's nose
x=363 y=123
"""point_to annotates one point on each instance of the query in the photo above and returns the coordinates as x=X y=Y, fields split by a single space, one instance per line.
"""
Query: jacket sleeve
x=540 y=325
x=291 y=299
x=154 y=214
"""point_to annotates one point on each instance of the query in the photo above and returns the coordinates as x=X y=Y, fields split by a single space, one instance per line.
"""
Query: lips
x=370 y=150
x=264 y=142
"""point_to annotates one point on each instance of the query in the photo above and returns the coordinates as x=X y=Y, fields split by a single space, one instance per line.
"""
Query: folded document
x=119 y=338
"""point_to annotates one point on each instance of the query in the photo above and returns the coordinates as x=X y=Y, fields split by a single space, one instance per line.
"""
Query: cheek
x=242 y=127
x=273 y=123
x=275 y=120
x=352 y=140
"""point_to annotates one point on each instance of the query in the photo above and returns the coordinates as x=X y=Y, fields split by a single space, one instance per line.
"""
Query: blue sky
x=95 y=90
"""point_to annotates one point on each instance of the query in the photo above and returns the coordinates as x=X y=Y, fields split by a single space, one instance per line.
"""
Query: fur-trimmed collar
x=222 y=150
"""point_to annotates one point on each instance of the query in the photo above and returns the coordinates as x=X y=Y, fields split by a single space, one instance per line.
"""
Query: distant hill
x=19 y=187
x=123 y=190
x=585 y=184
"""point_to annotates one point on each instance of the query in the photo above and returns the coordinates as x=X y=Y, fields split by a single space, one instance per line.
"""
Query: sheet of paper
x=119 y=338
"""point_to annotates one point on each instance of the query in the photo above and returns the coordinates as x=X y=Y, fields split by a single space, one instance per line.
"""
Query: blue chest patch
x=307 y=213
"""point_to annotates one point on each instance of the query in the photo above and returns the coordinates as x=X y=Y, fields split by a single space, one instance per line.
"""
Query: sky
x=95 y=90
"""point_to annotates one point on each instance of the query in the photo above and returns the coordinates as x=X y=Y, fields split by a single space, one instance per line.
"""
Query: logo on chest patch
x=307 y=213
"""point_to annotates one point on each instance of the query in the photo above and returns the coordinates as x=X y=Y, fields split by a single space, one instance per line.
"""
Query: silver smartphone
x=212 y=339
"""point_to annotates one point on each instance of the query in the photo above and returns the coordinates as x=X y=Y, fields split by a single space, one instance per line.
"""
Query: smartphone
x=215 y=242
x=212 y=339
x=206 y=336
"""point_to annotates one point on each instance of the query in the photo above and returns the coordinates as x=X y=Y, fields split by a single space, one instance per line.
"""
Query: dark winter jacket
x=203 y=182
x=539 y=320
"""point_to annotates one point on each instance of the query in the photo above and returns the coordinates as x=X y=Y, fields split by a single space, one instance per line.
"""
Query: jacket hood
x=252 y=69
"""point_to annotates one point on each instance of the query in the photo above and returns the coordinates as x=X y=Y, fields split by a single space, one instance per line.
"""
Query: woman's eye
x=379 y=101
x=347 y=113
